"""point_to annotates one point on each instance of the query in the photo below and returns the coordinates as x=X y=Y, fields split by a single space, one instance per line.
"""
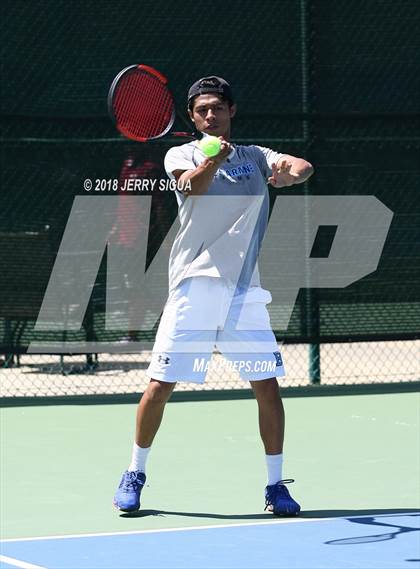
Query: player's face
x=212 y=115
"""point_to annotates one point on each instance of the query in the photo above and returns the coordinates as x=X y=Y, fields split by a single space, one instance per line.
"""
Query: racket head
x=141 y=104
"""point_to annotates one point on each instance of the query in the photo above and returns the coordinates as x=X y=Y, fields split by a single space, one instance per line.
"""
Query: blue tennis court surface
x=383 y=541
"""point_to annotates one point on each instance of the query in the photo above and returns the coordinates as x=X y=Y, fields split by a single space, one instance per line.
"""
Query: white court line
x=18 y=563
x=162 y=530
x=197 y=528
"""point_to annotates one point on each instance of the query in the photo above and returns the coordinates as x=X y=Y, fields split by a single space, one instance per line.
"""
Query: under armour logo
x=163 y=360
x=279 y=361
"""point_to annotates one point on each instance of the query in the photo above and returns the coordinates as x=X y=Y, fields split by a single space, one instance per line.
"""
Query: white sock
x=138 y=458
x=274 y=468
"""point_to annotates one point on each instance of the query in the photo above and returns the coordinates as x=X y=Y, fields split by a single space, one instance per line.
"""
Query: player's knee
x=266 y=390
x=159 y=391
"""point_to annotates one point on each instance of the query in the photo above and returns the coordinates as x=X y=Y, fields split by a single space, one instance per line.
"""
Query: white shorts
x=204 y=313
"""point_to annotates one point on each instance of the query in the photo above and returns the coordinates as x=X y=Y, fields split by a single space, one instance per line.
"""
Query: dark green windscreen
x=336 y=82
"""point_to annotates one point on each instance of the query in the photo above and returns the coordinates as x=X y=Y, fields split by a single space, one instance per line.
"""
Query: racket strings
x=138 y=113
x=143 y=106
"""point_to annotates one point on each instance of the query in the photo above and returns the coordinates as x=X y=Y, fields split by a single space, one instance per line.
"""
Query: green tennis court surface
x=352 y=457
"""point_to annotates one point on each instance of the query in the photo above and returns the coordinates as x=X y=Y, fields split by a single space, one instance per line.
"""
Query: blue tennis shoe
x=127 y=497
x=279 y=501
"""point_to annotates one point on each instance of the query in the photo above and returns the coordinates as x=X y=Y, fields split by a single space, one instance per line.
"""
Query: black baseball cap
x=212 y=84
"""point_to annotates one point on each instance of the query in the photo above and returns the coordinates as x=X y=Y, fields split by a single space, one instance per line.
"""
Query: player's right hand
x=225 y=150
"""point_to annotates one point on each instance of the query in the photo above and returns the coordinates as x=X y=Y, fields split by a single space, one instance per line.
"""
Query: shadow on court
x=355 y=513
x=268 y=516
x=163 y=513
x=388 y=530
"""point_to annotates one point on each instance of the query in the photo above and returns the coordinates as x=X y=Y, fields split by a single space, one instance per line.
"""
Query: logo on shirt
x=241 y=170
x=164 y=360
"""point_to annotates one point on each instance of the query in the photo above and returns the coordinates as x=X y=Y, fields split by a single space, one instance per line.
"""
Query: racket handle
x=187 y=134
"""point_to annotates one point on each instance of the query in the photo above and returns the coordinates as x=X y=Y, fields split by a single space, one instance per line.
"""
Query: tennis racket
x=141 y=104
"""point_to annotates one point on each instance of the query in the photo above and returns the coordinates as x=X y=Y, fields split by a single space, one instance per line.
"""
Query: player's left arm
x=290 y=170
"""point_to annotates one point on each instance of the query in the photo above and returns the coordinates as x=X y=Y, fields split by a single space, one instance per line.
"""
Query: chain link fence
x=339 y=86
x=341 y=364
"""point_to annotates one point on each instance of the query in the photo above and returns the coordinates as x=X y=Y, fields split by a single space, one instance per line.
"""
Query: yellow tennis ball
x=210 y=146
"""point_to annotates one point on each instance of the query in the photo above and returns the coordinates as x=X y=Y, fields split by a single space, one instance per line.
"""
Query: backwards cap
x=211 y=84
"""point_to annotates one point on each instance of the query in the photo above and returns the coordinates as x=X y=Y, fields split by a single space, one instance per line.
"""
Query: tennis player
x=215 y=297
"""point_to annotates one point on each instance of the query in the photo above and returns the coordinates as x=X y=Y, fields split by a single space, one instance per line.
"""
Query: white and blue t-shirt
x=222 y=230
